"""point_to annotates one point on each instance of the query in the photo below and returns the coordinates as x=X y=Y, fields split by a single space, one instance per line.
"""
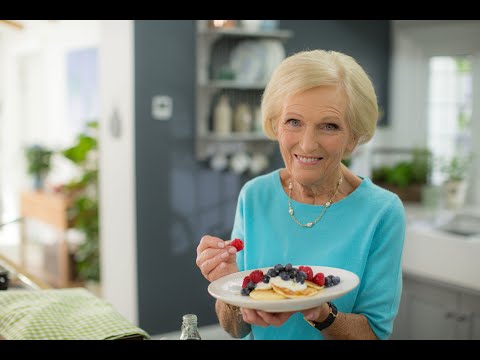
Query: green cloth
x=61 y=314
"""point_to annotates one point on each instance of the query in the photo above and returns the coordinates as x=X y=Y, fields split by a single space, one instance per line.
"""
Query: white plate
x=227 y=289
x=247 y=61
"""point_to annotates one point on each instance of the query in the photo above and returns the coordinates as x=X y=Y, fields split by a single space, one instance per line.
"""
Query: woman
x=319 y=106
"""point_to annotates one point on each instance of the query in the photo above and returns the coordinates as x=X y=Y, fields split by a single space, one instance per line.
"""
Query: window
x=450 y=103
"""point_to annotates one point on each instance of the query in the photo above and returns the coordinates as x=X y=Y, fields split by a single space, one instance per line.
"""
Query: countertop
x=437 y=255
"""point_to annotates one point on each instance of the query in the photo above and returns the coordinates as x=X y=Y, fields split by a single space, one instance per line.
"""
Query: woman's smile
x=307 y=160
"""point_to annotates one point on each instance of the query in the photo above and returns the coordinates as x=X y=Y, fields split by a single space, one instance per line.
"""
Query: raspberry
x=256 y=276
x=307 y=270
x=246 y=280
x=238 y=244
x=319 y=279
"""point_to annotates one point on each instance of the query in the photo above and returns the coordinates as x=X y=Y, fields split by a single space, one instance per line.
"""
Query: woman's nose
x=309 y=141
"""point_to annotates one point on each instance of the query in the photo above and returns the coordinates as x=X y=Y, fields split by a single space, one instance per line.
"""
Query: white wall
x=33 y=75
x=407 y=96
x=37 y=55
x=117 y=175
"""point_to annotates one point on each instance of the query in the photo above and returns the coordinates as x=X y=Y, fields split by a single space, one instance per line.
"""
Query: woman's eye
x=331 y=126
x=293 y=122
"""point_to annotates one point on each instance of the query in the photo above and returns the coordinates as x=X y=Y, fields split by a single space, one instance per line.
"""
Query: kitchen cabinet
x=433 y=310
x=471 y=310
x=233 y=63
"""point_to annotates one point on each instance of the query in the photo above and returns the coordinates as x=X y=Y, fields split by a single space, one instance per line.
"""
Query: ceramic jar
x=242 y=119
x=222 y=117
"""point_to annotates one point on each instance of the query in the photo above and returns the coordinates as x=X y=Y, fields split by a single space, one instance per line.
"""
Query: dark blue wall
x=179 y=199
x=368 y=41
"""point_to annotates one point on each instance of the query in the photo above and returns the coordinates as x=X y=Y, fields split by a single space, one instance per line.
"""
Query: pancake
x=309 y=291
x=313 y=285
x=266 y=295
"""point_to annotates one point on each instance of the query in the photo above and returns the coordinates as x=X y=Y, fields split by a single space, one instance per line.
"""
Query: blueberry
x=328 y=282
x=284 y=276
x=266 y=279
x=302 y=274
x=330 y=276
x=279 y=268
x=272 y=272
x=288 y=267
x=251 y=285
x=245 y=292
x=293 y=273
x=336 y=280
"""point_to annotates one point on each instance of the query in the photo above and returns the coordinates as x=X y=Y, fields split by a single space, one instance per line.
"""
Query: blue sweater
x=362 y=233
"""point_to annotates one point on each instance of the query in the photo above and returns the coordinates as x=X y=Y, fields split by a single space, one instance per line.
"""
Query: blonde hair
x=309 y=69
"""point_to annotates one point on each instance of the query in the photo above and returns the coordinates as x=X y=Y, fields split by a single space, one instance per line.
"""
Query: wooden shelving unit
x=50 y=209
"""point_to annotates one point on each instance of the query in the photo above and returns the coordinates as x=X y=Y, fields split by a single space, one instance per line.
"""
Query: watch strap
x=332 y=315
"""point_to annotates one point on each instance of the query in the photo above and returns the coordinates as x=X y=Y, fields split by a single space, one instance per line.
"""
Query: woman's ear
x=274 y=125
x=352 y=143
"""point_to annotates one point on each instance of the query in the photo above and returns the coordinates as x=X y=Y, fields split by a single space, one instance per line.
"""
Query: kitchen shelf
x=209 y=145
x=214 y=48
x=234 y=137
x=242 y=33
x=235 y=85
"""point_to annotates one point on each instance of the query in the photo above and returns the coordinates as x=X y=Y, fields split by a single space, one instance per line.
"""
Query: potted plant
x=38 y=164
x=455 y=171
x=406 y=178
x=83 y=213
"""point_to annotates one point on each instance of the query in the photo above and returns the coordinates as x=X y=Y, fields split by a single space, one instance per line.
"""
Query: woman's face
x=313 y=135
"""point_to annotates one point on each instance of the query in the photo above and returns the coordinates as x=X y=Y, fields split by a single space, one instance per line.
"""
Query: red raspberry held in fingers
x=319 y=279
x=307 y=270
x=238 y=244
x=246 y=280
x=256 y=276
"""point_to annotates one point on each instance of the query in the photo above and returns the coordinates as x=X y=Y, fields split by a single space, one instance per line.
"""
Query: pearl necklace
x=327 y=204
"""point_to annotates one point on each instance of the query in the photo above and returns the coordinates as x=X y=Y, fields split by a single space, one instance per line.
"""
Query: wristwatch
x=328 y=321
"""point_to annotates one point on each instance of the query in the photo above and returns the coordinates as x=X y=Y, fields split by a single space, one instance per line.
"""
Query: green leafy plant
x=83 y=213
x=456 y=168
x=38 y=162
x=405 y=173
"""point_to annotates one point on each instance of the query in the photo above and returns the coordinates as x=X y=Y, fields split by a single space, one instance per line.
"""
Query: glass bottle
x=189 y=328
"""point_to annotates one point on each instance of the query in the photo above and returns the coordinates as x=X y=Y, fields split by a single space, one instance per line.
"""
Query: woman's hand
x=215 y=258
x=263 y=318
x=319 y=313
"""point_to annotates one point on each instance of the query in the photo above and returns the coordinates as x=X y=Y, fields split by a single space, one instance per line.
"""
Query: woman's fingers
x=275 y=319
x=263 y=318
x=251 y=317
x=215 y=258
x=208 y=241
